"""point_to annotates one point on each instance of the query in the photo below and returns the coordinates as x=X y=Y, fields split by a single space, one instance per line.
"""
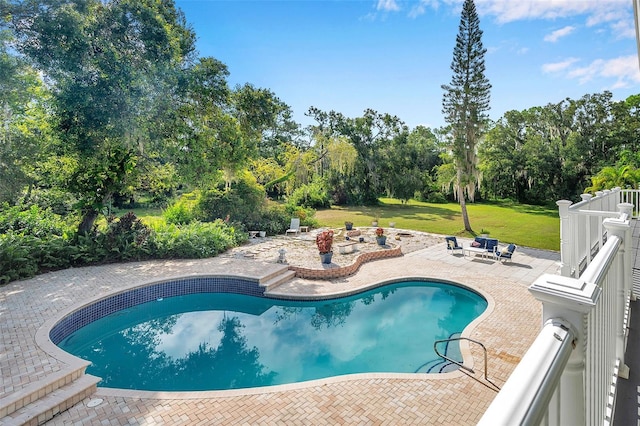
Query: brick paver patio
x=507 y=329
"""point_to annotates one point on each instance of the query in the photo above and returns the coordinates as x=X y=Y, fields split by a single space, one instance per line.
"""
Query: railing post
x=565 y=238
x=628 y=250
x=569 y=299
x=588 y=221
x=622 y=274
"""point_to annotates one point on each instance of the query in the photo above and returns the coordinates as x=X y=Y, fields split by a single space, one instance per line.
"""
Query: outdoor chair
x=294 y=227
x=452 y=244
x=491 y=245
x=506 y=253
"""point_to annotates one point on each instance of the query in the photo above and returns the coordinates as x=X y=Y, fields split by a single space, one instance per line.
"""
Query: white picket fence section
x=568 y=376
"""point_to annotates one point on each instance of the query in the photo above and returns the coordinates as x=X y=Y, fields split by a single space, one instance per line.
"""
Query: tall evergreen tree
x=465 y=104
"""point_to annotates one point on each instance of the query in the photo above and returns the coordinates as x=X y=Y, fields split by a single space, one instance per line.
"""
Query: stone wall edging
x=345 y=271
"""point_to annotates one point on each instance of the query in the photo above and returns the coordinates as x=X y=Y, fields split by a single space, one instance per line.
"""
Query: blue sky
x=393 y=55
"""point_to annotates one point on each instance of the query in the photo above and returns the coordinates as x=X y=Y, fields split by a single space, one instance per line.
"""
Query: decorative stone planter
x=381 y=240
x=326 y=257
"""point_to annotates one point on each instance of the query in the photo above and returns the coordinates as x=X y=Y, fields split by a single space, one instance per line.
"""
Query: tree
x=23 y=129
x=465 y=104
x=112 y=66
x=368 y=134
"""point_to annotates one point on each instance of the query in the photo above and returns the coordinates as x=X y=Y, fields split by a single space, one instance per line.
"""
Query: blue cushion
x=491 y=243
x=454 y=241
x=508 y=252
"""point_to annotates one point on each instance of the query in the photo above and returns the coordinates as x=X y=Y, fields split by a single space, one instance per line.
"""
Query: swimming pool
x=210 y=341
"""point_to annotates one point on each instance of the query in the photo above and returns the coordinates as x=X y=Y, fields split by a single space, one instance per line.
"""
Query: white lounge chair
x=294 y=227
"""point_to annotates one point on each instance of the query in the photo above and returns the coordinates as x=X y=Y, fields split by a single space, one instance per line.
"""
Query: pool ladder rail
x=464 y=367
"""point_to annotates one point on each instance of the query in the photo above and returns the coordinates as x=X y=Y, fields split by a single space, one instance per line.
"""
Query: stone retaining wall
x=344 y=271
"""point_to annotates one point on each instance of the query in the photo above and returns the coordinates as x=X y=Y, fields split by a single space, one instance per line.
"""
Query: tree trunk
x=88 y=220
x=463 y=208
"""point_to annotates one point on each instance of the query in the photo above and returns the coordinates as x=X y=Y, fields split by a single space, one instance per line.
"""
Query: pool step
x=36 y=391
x=277 y=278
x=43 y=408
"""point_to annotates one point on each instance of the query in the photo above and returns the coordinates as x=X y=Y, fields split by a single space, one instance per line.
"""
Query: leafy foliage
x=242 y=202
x=324 y=241
x=313 y=195
x=34 y=241
x=194 y=240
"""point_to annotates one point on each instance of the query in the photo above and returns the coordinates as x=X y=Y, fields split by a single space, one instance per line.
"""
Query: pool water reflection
x=214 y=341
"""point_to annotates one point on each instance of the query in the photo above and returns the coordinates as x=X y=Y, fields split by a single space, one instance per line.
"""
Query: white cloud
x=558 y=34
x=421 y=7
x=616 y=14
x=622 y=70
x=388 y=5
x=559 y=66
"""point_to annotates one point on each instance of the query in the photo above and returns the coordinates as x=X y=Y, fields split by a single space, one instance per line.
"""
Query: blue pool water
x=213 y=341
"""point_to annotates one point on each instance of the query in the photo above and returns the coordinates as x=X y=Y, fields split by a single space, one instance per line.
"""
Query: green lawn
x=524 y=225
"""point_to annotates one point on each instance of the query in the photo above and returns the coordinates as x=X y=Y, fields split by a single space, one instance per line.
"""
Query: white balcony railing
x=568 y=375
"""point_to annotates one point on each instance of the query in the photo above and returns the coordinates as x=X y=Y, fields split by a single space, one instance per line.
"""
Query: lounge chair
x=452 y=244
x=506 y=253
x=294 y=227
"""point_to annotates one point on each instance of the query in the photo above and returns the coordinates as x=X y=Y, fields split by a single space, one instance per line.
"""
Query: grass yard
x=524 y=225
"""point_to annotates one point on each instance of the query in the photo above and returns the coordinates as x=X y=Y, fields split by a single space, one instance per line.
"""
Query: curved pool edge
x=44 y=341
x=177 y=395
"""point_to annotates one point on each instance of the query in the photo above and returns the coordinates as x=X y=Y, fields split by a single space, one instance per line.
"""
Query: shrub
x=243 y=202
x=312 y=195
x=306 y=216
x=437 y=198
x=15 y=257
x=194 y=240
x=182 y=211
x=31 y=221
x=54 y=200
x=126 y=238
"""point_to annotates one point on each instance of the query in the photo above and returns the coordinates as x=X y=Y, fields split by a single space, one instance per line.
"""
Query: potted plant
x=380 y=237
x=324 y=241
x=348 y=225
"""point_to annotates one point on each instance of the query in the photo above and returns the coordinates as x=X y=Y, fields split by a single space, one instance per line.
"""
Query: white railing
x=632 y=196
x=568 y=375
x=582 y=233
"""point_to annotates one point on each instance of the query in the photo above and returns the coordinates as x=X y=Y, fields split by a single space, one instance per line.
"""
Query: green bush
x=306 y=215
x=312 y=195
x=31 y=221
x=194 y=240
x=182 y=211
x=15 y=257
x=274 y=219
x=27 y=249
x=243 y=203
x=436 y=198
x=126 y=238
x=54 y=200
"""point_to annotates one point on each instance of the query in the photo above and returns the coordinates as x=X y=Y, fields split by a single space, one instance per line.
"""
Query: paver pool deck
x=507 y=329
